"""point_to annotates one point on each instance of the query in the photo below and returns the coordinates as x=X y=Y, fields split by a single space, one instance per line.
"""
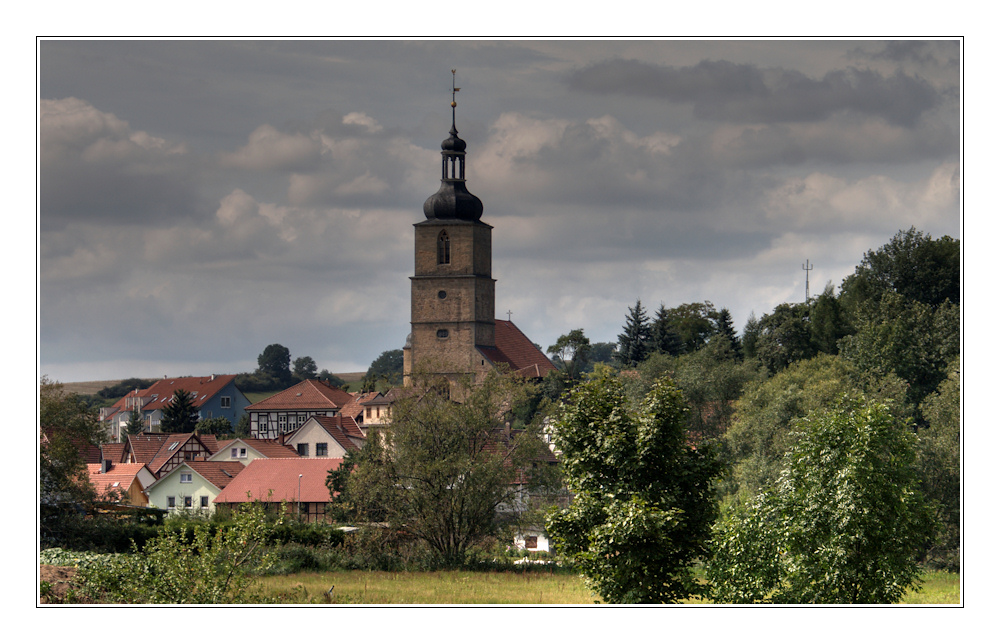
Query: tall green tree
x=784 y=337
x=274 y=362
x=68 y=427
x=724 y=328
x=135 y=423
x=633 y=342
x=911 y=265
x=939 y=460
x=694 y=323
x=386 y=369
x=843 y=525
x=570 y=353
x=440 y=471
x=304 y=368
x=828 y=322
x=643 y=504
x=750 y=338
x=910 y=339
x=663 y=337
x=179 y=415
x=763 y=427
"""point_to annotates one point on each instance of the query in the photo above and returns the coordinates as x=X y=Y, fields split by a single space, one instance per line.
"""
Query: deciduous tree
x=441 y=470
x=570 y=353
x=844 y=523
x=304 y=368
x=643 y=504
x=273 y=362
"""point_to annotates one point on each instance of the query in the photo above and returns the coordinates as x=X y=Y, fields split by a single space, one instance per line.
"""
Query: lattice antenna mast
x=807 y=267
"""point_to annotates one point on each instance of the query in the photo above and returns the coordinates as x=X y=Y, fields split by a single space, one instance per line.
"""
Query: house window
x=262 y=424
x=171 y=502
x=282 y=423
x=204 y=502
x=368 y=412
x=186 y=477
x=243 y=452
x=187 y=502
x=225 y=402
x=530 y=542
x=302 y=419
x=320 y=449
x=232 y=453
x=444 y=248
x=303 y=449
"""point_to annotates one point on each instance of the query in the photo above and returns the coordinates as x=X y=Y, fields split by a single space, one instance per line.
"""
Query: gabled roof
x=340 y=428
x=113 y=452
x=514 y=349
x=119 y=478
x=266 y=448
x=89 y=452
x=277 y=479
x=205 y=388
x=156 y=449
x=218 y=473
x=356 y=406
x=210 y=441
x=305 y=395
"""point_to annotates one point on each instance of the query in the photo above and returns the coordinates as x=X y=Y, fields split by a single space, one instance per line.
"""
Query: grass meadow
x=461 y=587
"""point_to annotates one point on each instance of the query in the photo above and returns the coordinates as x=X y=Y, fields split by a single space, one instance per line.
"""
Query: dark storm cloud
x=725 y=91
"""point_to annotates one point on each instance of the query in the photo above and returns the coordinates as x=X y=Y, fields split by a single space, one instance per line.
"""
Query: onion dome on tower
x=453 y=200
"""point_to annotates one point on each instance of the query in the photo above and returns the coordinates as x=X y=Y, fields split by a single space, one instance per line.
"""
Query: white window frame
x=225 y=402
x=186 y=477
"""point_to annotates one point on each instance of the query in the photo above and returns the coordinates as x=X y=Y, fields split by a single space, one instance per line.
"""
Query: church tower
x=452 y=291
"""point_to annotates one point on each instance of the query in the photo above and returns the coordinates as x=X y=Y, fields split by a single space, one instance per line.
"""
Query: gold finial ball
x=453 y=103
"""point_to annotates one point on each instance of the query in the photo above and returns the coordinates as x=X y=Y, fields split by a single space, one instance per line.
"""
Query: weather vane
x=453 y=103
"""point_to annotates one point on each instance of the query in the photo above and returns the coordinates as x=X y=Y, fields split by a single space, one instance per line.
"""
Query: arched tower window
x=444 y=248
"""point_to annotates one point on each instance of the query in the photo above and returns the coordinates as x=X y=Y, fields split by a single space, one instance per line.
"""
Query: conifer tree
x=179 y=416
x=633 y=343
x=663 y=338
x=724 y=327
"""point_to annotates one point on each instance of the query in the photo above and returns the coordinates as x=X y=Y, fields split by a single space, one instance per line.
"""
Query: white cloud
x=363 y=120
x=269 y=149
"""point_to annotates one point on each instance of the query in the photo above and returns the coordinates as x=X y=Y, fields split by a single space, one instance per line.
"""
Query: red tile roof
x=218 y=473
x=266 y=448
x=355 y=408
x=306 y=395
x=123 y=474
x=206 y=387
x=277 y=479
x=113 y=452
x=340 y=429
x=154 y=449
x=517 y=351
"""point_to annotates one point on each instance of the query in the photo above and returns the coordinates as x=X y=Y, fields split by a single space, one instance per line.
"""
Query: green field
x=459 y=587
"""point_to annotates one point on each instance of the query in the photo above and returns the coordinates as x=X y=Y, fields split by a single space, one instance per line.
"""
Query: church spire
x=453 y=200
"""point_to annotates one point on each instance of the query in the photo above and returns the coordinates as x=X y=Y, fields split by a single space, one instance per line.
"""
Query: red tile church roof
x=516 y=350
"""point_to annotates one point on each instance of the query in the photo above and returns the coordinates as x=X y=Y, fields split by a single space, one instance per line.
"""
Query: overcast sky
x=201 y=200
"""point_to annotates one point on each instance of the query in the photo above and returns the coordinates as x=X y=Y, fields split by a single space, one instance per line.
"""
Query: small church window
x=442 y=295
x=444 y=248
x=442 y=333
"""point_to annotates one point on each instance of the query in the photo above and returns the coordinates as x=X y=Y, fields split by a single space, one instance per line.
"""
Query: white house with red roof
x=286 y=411
x=193 y=486
x=213 y=396
x=245 y=450
x=326 y=437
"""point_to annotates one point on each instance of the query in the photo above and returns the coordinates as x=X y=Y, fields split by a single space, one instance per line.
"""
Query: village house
x=326 y=437
x=193 y=486
x=286 y=411
x=298 y=483
x=245 y=450
x=162 y=453
x=122 y=483
x=212 y=396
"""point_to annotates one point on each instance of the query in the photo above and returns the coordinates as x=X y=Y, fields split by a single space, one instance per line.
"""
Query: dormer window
x=444 y=248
